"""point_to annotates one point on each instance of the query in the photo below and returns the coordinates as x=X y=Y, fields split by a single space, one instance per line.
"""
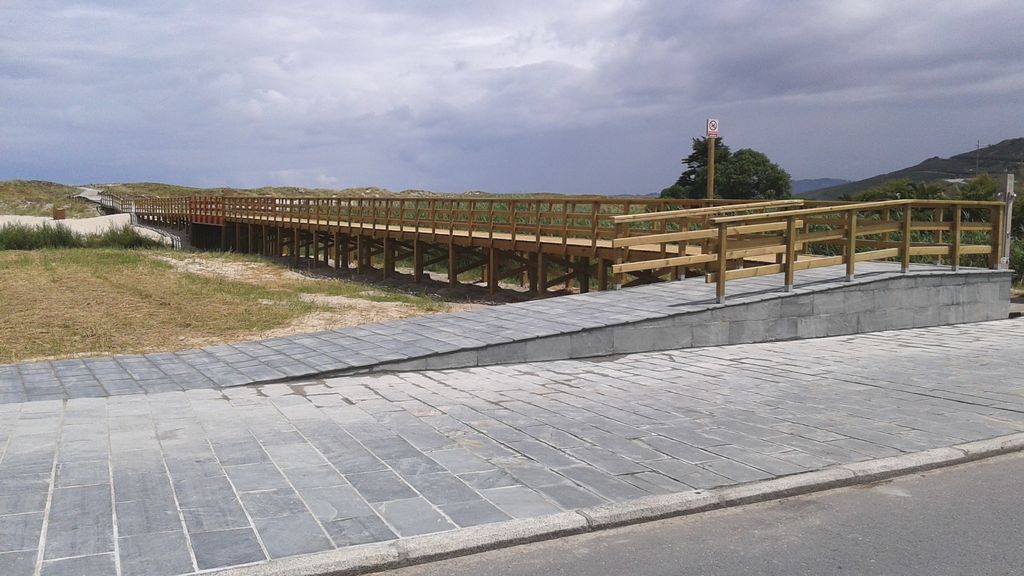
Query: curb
x=421 y=549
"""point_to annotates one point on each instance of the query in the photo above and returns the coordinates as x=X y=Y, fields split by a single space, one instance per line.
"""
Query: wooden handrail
x=667 y=215
x=861 y=206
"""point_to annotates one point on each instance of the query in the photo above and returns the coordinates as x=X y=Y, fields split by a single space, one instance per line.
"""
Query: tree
x=750 y=175
x=745 y=174
x=693 y=182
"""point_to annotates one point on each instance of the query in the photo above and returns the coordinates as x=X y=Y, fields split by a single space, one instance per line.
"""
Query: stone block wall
x=864 y=305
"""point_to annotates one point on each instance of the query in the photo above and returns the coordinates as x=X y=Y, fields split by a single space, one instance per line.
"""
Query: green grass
x=26 y=237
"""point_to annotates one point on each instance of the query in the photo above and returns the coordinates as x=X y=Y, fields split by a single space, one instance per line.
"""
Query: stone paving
x=416 y=339
x=177 y=482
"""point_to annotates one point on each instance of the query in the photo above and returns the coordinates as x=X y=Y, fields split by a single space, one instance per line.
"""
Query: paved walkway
x=177 y=482
x=416 y=339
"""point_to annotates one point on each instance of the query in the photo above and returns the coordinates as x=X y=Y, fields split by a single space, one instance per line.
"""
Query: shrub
x=25 y=237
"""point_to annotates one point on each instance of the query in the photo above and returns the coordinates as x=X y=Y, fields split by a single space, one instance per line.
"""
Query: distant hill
x=1000 y=158
x=810 y=185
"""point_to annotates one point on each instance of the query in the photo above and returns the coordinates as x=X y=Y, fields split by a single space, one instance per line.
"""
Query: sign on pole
x=712 y=128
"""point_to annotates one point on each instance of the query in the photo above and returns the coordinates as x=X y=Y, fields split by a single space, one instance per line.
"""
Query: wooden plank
x=877 y=254
x=710 y=210
x=662 y=263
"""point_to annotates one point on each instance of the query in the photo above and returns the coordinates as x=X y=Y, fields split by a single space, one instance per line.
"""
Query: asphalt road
x=962 y=520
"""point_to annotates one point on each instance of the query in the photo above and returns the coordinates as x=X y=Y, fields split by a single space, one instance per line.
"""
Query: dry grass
x=61 y=303
x=37 y=198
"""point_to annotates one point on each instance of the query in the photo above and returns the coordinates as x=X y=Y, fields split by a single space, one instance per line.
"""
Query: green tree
x=750 y=175
x=693 y=182
x=981 y=187
x=744 y=174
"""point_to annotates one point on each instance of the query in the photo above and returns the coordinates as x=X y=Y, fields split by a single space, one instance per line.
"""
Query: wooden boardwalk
x=549 y=242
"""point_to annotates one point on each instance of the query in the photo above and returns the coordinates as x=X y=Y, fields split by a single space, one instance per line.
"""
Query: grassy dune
x=67 y=302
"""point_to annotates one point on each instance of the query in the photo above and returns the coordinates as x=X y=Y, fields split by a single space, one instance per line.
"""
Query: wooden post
x=954 y=252
x=602 y=274
x=851 y=244
x=417 y=258
x=531 y=272
x=582 y=267
x=905 y=250
x=723 y=262
x=337 y=251
x=453 y=277
x=389 y=256
x=295 y=246
x=492 y=270
x=790 y=258
x=711 y=168
x=542 y=274
x=362 y=254
x=345 y=243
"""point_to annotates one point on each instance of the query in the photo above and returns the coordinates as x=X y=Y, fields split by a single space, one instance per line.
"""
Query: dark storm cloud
x=599 y=96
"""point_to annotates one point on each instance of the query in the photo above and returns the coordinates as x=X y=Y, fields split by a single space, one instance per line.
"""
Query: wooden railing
x=804 y=238
x=684 y=233
x=547 y=219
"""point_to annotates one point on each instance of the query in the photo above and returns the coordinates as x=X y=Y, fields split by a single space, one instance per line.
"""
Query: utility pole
x=712 y=135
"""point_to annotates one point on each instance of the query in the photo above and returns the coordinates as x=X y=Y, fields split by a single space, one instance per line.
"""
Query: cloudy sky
x=601 y=96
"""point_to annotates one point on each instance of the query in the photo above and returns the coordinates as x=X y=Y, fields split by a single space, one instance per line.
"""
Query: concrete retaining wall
x=864 y=305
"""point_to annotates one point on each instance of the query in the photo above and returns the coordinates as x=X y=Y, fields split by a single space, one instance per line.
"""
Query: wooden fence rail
x=803 y=238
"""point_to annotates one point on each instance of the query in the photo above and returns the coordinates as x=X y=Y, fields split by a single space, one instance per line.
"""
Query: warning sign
x=712 y=128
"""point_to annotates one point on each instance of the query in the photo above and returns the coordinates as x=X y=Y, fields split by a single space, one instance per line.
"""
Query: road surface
x=961 y=520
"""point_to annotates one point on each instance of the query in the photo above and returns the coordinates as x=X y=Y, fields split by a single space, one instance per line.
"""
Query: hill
x=1006 y=156
x=810 y=185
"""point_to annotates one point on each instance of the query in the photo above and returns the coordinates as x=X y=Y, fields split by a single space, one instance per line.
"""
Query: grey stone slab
x=442 y=488
x=290 y=535
x=223 y=548
x=141 y=486
x=460 y=461
x=489 y=479
x=314 y=477
x=21 y=499
x=474 y=513
x=570 y=496
x=520 y=501
x=335 y=503
x=80 y=522
x=145 y=517
x=80 y=566
x=199 y=491
x=215 y=515
x=415 y=466
x=607 y=460
x=413 y=516
x=20 y=532
x=18 y=563
x=159 y=554
x=254 y=477
x=602 y=484
x=357 y=530
x=380 y=486
x=272 y=503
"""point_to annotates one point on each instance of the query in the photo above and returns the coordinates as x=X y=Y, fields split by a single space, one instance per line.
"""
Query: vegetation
x=744 y=174
x=66 y=302
x=37 y=198
x=1006 y=156
x=26 y=237
x=980 y=188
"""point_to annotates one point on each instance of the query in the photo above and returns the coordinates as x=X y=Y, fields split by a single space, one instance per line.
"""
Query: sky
x=601 y=96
